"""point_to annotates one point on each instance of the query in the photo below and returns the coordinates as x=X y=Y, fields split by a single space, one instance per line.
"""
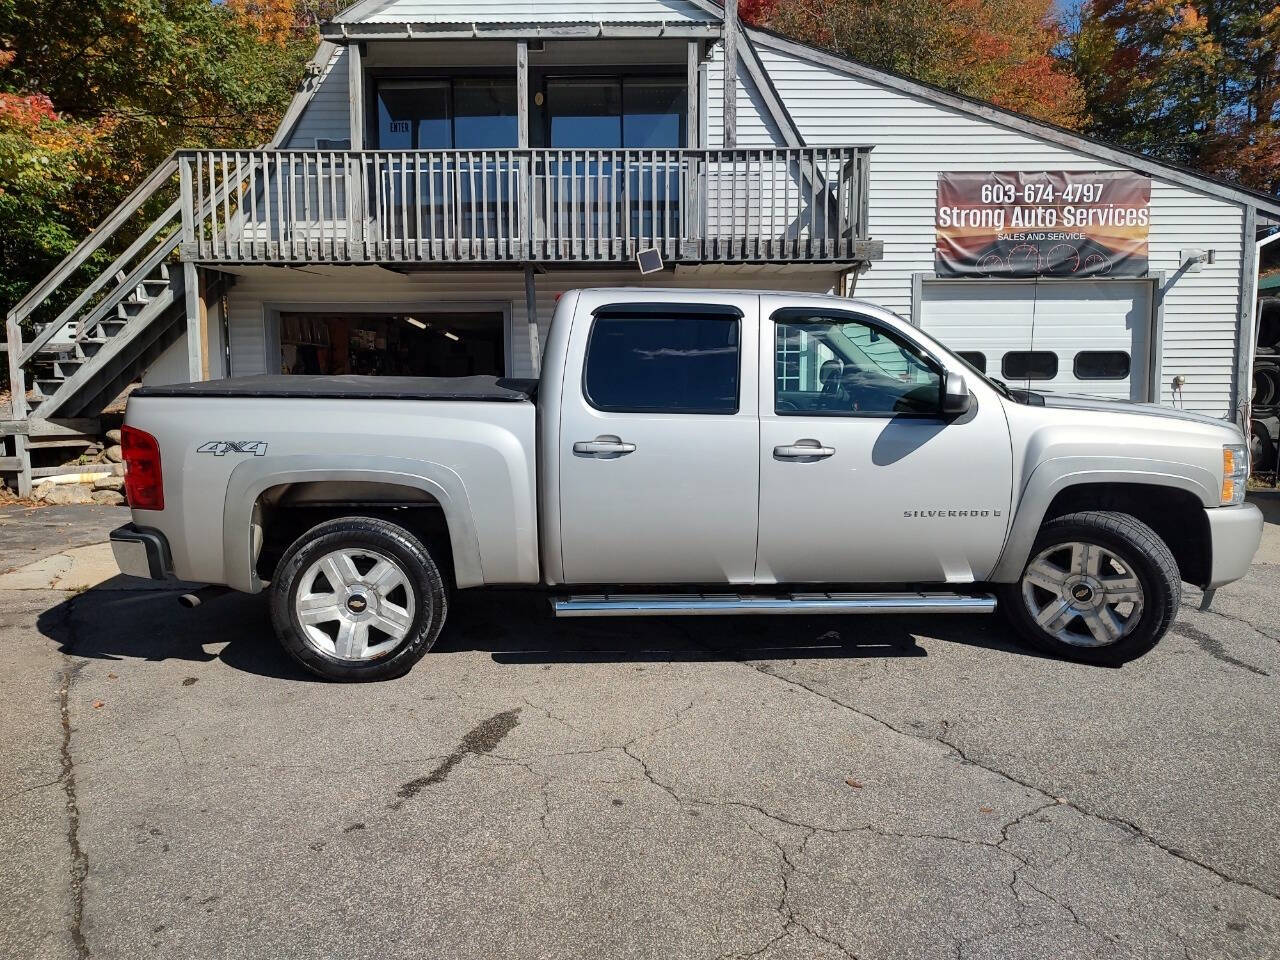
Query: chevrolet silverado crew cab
x=686 y=452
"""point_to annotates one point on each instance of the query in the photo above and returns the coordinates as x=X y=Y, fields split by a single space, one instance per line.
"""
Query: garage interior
x=420 y=344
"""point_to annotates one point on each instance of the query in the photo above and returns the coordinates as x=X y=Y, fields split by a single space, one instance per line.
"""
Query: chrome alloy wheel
x=355 y=604
x=1082 y=594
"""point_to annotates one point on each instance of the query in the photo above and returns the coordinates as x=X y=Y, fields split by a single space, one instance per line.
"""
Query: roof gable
x=526 y=11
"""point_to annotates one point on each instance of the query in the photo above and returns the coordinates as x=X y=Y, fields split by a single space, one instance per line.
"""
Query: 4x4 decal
x=221 y=447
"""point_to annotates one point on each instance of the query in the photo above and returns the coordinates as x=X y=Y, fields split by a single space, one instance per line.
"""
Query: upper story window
x=467 y=114
x=478 y=113
x=611 y=112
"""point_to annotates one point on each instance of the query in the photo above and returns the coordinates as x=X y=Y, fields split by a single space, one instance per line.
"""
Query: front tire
x=1100 y=587
x=358 y=598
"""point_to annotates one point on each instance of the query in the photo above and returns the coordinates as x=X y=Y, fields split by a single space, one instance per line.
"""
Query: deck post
x=522 y=94
x=531 y=305
x=730 y=74
x=355 y=94
x=195 y=341
x=18 y=390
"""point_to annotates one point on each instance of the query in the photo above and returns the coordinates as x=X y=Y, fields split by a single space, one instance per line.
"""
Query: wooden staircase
x=118 y=319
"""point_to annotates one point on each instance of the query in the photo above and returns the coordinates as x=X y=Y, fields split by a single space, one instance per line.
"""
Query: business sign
x=1042 y=224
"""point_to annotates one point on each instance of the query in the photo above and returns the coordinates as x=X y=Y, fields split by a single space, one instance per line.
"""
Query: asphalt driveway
x=782 y=788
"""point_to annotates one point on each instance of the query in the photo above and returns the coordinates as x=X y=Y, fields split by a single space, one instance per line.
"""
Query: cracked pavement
x=705 y=788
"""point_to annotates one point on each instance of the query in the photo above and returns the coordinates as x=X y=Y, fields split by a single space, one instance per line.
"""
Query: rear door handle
x=606 y=446
x=803 y=450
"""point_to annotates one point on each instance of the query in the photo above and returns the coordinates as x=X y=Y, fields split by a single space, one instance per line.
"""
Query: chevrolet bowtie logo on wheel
x=218 y=448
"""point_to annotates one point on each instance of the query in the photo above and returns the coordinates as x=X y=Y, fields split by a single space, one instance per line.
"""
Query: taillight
x=143 y=482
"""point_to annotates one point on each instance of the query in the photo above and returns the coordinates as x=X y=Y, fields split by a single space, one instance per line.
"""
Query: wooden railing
x=306 y=206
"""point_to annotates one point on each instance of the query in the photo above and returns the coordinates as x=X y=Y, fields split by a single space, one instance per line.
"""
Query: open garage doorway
x=403 y=343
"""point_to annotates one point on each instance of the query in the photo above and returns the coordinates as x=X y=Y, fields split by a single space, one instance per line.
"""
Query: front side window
x=663 y=364
x=835 y=367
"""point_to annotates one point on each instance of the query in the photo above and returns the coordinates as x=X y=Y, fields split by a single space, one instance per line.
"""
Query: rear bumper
x=1234 y=536
x=142 y=552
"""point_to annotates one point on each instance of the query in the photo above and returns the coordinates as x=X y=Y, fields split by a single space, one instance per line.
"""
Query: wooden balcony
x=796 y=205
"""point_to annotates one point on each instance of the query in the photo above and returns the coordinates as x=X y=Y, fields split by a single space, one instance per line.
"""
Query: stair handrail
x=106 y=276
x=90 y=244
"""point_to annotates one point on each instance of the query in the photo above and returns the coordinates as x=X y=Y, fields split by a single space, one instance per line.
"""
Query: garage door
x=1086 y=336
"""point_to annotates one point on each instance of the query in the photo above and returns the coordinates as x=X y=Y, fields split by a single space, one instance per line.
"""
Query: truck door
x=861 y=479
x=659 y=442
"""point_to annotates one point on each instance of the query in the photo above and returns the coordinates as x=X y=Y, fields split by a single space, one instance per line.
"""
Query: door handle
x=606 y=446
x=803 y=450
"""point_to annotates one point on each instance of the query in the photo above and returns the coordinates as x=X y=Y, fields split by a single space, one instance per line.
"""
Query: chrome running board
x=678 y=604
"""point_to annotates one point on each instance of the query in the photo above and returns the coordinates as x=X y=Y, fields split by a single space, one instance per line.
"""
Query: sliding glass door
x=458 y=197
x=591 y=195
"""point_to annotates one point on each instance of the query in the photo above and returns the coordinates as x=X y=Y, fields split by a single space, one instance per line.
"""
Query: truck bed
x=350 y=387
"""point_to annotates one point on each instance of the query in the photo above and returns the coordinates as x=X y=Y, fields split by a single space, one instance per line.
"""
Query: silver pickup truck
x=687 y=452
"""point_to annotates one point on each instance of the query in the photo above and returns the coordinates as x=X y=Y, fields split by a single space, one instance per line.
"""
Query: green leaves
x=95 y=94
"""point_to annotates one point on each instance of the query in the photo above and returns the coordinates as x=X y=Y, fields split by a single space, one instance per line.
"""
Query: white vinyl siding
x=328 y=115
x=916 y=139
x=756 y=128
x=526 y=11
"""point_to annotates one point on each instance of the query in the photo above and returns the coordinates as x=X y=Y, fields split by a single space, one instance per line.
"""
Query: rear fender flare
x=252 y=477
x=1053 y=476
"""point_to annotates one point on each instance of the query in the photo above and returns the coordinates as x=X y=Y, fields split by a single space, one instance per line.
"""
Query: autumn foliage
x=95 y=93
x=1001 y=51
x=1192 y=81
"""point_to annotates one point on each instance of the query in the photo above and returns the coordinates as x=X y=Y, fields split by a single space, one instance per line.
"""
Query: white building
x=450 y=167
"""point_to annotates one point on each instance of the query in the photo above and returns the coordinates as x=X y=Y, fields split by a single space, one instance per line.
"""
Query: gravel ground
x=780 y=788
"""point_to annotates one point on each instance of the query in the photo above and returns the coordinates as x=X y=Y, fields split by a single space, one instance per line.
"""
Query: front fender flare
x=1053 y=476
x=252 y=477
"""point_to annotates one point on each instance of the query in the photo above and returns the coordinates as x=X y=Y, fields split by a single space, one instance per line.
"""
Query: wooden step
x=57 y=427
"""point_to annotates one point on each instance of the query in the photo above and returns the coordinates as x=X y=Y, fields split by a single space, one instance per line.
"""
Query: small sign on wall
x=401 y=126
x=1020 y=225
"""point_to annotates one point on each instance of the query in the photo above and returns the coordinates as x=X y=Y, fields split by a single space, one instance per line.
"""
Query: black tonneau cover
x=484 y=389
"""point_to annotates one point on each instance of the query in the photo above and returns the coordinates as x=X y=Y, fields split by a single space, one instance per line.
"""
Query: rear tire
x=1100 y=587
x=358 y=598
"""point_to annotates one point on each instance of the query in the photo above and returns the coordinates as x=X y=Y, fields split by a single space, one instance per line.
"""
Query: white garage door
x=1069 y=336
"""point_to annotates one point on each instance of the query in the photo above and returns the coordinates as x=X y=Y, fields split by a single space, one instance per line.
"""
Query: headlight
x=1235 y=472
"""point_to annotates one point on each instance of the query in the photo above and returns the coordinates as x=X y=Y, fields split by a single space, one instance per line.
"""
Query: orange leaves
x=995 y=50
x=281 y=22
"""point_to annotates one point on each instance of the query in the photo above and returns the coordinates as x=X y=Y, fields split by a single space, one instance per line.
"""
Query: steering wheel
x=784 y=405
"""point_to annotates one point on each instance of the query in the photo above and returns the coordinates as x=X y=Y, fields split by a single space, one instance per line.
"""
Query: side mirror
x=955 y=394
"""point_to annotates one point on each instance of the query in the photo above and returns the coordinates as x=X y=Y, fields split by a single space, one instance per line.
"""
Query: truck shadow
x=116 y=621
x=517 y=627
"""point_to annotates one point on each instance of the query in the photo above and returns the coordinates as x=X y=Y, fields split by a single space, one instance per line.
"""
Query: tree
x=95 y=94
x=1001 y=51
x=1190 y=81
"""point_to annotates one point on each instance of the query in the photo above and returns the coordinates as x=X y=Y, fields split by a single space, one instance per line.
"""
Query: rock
x=63 y=493
x=113 y=436
x=114 y=453
x=110 y=497
x=109 y=483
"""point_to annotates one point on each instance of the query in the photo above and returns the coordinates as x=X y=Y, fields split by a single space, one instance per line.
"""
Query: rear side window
x=1101 y=365
x=663 y=364
x=975 y=359
x=1029 y=365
